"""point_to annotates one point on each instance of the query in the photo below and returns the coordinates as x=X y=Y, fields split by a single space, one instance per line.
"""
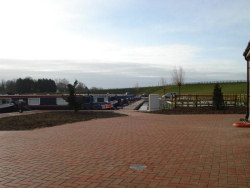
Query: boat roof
x=59 y=95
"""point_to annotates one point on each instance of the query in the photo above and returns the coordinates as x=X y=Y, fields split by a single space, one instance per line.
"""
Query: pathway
x=134 y=105
x=178 y=150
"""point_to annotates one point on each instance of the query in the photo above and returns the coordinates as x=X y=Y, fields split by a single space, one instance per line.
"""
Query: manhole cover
x=138 y=167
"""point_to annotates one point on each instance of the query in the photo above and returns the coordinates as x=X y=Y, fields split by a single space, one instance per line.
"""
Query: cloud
x=135 y=41
x=203 y=17
x=120 y=74
x=41 y=29
x=78 y=48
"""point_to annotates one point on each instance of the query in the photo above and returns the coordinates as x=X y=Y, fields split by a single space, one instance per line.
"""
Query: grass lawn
x=49 y=119
x=199 y=89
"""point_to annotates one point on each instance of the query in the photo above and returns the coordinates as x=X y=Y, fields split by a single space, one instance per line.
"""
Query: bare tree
x=81 y=88
x=164 y=84
x=136 y=87
x=62 y=85
x=178 y=76
x=96 y=88
x=3 y=86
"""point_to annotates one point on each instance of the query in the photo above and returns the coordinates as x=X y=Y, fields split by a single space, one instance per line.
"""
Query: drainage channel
x=138 y=167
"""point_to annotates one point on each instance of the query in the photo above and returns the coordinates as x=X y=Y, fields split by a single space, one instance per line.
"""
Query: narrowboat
x=6 y=106
x=57 y=102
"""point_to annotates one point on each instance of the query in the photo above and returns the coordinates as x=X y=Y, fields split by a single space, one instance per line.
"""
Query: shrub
x=218 y=101
x=74 y=102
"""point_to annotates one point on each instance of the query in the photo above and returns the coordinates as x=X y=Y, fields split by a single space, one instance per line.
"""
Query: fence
x=235 y=100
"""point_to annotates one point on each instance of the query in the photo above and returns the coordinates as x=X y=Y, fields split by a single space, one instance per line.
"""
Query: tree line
x=29 y=85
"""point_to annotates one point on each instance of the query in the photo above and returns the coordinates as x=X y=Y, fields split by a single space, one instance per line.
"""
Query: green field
x=227 y=88
x=204 y=88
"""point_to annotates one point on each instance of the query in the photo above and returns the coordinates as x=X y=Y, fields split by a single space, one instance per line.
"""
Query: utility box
x=154 y=102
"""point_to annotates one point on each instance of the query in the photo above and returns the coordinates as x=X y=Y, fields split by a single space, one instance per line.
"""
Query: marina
x=11 y=103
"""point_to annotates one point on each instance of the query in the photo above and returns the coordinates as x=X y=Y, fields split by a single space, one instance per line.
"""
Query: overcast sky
x=118 y=43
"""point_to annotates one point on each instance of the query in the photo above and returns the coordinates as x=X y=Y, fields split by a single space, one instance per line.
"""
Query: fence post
x=235 y=100
x=196 y=100
x=172 y=102
x=175 y=100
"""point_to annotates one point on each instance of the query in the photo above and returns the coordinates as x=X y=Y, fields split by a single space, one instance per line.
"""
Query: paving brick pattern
x=179 y=151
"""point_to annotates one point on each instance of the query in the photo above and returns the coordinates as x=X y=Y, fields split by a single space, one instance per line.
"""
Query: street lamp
x=246 y=54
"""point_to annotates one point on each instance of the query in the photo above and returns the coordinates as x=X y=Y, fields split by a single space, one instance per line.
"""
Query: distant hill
x=197 y=88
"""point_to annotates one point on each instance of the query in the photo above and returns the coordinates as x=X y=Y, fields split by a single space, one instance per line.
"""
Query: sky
x=122 y=43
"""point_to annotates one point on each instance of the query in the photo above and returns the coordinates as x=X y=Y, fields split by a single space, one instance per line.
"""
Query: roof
x=246 y=53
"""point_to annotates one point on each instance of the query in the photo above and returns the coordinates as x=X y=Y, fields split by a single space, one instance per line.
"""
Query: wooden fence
x=235 y=100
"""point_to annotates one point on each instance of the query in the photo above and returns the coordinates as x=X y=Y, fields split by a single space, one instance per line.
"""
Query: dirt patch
x=49 y=119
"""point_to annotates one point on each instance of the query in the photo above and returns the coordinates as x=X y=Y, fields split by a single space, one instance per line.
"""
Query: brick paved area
x=179 y=151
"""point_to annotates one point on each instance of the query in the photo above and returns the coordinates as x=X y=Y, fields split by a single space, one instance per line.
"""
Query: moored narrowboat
x=12 y=103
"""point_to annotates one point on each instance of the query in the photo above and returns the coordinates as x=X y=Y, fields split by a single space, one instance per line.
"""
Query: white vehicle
x=170 y=95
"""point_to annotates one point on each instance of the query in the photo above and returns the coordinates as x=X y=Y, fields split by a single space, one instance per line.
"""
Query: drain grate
x=138 y=167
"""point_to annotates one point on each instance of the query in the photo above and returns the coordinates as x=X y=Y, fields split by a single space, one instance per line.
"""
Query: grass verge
x=49 y=119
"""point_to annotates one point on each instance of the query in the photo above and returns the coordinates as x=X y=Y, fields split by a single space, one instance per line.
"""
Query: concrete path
x=178 y=150
x=134 y=105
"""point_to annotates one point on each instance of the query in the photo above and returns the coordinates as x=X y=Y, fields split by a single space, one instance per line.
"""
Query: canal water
x=144 y=106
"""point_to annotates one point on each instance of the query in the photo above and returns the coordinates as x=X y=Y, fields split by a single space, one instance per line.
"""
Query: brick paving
x=178 y=150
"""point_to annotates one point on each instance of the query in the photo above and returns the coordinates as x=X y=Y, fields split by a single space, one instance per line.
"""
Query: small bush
x=74 y=102
x=218 y=101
